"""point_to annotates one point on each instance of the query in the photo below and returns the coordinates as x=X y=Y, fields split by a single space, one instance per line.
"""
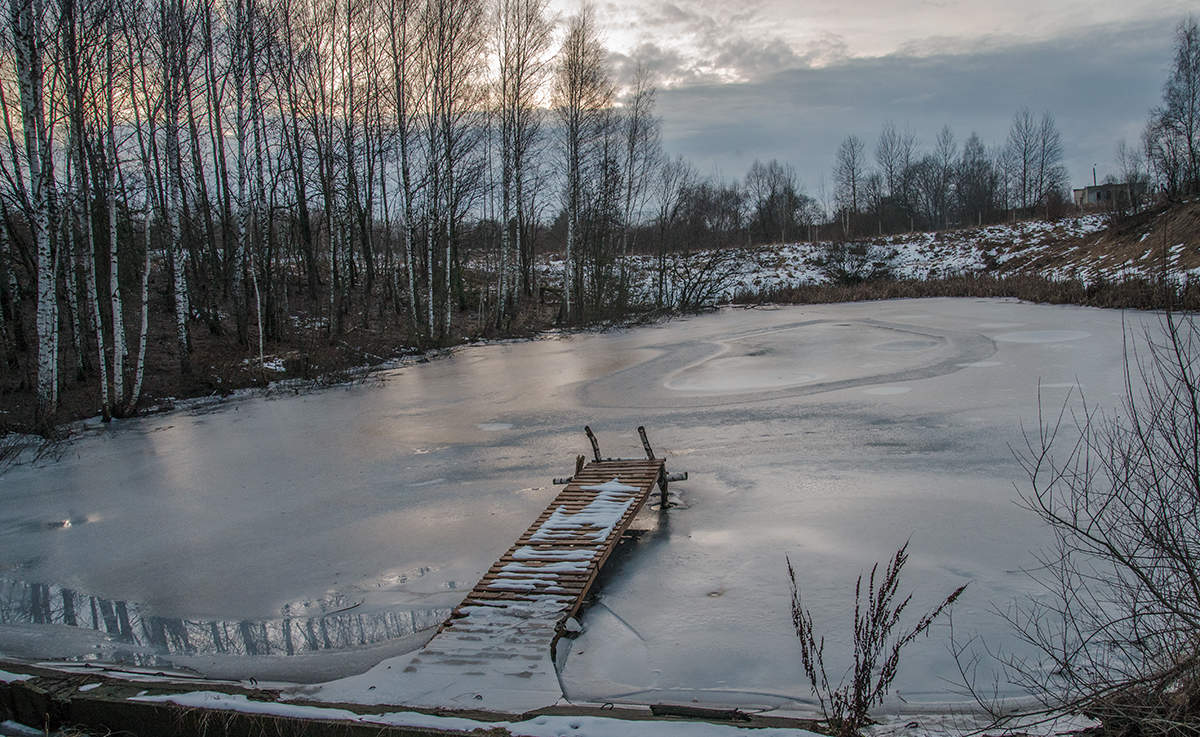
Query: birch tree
x=111 y=166
x=582 y=92
x=173 y=40
x=522 y=33
x=454 y=44
x=29 y=38
x=642 y=149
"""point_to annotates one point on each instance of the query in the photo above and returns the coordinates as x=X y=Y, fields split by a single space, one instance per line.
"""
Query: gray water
x=830 y=434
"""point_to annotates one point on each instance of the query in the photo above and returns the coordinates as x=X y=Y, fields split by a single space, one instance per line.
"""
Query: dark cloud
x=1099 y=84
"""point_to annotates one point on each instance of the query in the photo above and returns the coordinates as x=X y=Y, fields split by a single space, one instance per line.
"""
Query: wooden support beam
x=595 y=443
x=645 y=442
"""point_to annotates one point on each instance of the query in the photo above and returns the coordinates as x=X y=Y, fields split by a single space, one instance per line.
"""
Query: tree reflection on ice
x=332 y=624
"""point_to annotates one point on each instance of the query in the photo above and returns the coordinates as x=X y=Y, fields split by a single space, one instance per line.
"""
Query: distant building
x=1108 y=196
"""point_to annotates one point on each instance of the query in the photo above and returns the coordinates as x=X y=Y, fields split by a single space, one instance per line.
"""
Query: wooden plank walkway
x=498 y=648
x=560 y=555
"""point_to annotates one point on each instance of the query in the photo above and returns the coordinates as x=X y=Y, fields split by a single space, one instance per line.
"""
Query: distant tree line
x=949 y=185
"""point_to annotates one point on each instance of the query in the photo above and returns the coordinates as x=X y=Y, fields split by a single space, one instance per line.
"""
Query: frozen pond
x=828 y=433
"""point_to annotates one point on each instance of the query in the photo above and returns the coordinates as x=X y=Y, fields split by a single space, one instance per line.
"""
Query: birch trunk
x=136 y=393
x=93 y=300
x=69 y=267
x=242 y=233
x=91 y=290
x=25 y=19
x=114 y=282
x=176 y=65
x=399 y=23
x=430 y=229
x=7 y=285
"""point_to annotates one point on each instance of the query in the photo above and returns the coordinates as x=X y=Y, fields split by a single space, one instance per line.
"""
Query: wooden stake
x=595 y=444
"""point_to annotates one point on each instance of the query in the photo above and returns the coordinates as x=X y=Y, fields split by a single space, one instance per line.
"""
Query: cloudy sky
x=788 y=79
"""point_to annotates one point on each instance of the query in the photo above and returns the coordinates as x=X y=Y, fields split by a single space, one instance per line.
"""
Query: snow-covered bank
x=1083 y=247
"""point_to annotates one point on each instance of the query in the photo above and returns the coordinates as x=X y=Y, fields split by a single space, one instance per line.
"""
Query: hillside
x=1084 y=247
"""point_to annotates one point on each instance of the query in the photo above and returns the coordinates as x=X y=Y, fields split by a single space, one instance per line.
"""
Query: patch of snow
x=571 y=566
x=270 y=363
x=540 y=726
x=601 y=515
x=6 y=677
x=529 y=553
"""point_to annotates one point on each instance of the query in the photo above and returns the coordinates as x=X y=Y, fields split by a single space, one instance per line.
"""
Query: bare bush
x=846 y=707
x=702 y=278
x=1115 y=623
x=16 y=448
x=847 y=264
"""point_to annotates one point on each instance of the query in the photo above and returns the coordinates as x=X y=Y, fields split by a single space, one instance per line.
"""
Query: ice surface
x=389 y=493
x=1041 y=336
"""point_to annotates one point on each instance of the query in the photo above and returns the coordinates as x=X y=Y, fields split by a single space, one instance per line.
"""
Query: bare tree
x=1051 y=174
x=1175 y=125
x=173 y=38
x=848 y=173
x=1023 y=150
x=1114 y=623
x=407 y=93
x=642 y=150
x=945 y=155
x=1132 y=164
x=889 y=155
x=977 y=182
x=522 y=31
x=453 y=48
x=582 y=92
x=675 y=178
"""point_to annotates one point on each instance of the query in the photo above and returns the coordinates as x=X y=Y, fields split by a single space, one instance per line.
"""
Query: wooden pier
x=501 y=641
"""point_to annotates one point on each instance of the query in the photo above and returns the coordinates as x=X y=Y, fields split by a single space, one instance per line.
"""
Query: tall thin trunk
x=400 y=76
x=114 y=282
x=69 y=266
x=242 y=234
x=71 y=287
x=261 y=220
x=8 y=283
x=89 y=271
x=136 y=393
x=26 y=22
x=175 y=67
x=430 y=230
